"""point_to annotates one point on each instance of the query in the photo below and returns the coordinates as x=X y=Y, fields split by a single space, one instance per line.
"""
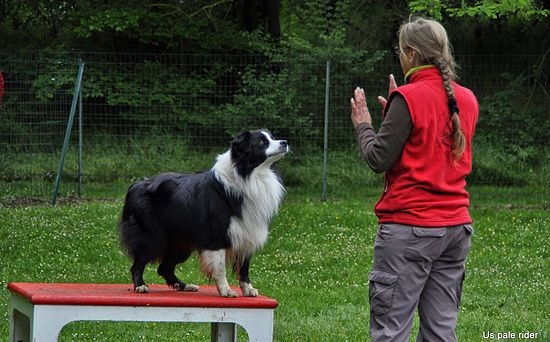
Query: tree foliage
x=523 y=10
x=276 y=35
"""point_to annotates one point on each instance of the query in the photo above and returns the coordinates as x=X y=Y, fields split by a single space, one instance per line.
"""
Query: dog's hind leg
x=244 y=280
x=167 y=268
x=213 y=265
x=137 y=276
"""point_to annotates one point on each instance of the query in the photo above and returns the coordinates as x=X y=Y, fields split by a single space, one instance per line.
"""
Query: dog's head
x=251 y=149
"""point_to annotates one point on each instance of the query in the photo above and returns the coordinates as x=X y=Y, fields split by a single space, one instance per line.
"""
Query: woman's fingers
x=360 y=97
x=392 y=84
x=382 y=101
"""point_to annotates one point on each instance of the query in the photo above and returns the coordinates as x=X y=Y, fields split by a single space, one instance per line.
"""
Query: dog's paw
x=141 y=289
x=190 y=288
x=185 y=287
x=251 y=293
x=248 y=290
x=229 y=293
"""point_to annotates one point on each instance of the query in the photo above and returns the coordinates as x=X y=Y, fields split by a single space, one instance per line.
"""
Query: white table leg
x=48 y=322
x=223 y=332
x=21 y=313
x=257 y=323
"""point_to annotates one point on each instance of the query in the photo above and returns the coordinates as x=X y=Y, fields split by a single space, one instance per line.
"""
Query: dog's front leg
x=244 y=280
x=213 y=265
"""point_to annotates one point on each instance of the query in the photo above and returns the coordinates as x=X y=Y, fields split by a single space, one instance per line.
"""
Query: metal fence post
x=80 y=164
x=325 y=142
x=68 y=131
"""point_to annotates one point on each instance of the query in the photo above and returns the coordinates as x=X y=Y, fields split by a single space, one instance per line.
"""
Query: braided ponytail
x=457 y=135
x=429 y=39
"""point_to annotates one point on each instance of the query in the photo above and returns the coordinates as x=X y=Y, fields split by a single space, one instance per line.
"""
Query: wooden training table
x=38 y=311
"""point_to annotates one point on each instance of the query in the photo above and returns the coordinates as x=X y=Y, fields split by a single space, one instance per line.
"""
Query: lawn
x=315 y=264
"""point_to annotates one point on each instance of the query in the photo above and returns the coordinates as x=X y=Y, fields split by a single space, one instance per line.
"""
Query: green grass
x=109 y=169
x=316 y=263
x=318 y=257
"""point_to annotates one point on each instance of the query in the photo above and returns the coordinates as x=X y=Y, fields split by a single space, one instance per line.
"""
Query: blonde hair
x=429 y=40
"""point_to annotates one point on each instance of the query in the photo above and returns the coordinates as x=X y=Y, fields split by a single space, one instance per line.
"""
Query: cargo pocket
x=381 y=287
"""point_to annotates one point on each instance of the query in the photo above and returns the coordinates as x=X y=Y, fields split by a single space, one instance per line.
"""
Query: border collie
x=223 y=214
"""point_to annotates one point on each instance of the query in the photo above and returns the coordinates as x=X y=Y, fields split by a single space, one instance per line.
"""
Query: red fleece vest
x=426 y=187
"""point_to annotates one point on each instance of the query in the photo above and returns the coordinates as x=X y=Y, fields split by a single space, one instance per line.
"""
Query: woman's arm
x=383 y=149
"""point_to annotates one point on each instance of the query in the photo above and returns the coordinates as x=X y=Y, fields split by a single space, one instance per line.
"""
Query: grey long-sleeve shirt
x=382 y=149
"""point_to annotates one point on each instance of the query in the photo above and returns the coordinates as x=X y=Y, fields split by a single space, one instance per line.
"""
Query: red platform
x=123 y=295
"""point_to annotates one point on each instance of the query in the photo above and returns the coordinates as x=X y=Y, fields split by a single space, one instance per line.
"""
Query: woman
x=424 y=146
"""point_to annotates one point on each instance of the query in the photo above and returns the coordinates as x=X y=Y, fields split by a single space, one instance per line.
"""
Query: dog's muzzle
x=283 y=146
x=278 y=148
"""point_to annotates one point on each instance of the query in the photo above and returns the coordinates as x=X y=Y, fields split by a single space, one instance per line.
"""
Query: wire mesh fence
x=141 y=106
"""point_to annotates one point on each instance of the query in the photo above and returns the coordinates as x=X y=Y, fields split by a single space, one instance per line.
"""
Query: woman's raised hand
x=391 y=87
x=359 y=111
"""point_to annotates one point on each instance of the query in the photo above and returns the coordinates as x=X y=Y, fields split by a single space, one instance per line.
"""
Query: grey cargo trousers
x=417 y=268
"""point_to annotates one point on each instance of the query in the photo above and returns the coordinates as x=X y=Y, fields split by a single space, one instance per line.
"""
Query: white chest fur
x=261 y=192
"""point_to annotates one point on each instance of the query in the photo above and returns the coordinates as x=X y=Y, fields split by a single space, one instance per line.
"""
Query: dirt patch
x=11 y=202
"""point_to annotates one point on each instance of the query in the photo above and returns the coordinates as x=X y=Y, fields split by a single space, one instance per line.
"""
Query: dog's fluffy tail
x=139 y=230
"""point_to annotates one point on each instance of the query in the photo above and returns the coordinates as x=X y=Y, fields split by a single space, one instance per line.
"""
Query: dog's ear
x=241 y=141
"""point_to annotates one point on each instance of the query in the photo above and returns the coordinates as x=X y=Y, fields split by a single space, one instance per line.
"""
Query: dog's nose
x=283 y=143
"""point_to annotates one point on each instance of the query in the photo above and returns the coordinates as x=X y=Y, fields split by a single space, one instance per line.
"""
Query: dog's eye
x=260 y=143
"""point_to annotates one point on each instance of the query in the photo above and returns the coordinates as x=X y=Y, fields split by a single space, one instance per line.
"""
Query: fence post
x=325 y=143
x=80 y=164
x=68 y=131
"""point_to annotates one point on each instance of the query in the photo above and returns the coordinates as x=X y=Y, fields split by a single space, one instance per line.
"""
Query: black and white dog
x=223 y=214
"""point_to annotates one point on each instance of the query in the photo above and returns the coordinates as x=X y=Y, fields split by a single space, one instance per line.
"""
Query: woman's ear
x=412 y=57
